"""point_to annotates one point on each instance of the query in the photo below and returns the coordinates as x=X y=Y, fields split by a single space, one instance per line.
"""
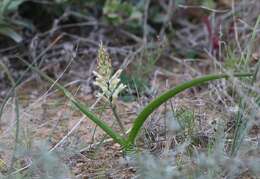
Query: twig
x=145 y=29
x=203 y=7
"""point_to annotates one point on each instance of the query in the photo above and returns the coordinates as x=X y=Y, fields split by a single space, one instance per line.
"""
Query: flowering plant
x=109 y=84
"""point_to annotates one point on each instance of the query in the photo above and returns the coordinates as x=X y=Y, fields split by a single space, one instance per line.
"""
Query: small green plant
x=186 y=120
x=117 y=12
x=128 y=142
x=242 y=122
x=7 y=24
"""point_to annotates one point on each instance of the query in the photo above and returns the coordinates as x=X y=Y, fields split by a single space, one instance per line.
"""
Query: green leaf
x=136 y=15
x=23 y=23
x=9 y=32
x=13 y=5
x=157 y=102
x=7 y=6
x=209 y=3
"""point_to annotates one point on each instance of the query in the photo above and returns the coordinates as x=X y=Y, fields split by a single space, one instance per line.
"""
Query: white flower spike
x=110 y=85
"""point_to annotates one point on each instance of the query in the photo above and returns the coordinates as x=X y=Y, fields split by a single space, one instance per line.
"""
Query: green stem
x=154 y=104
x=113 y=107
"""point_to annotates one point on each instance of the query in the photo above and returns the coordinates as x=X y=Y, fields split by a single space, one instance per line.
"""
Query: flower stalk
x=109 y=84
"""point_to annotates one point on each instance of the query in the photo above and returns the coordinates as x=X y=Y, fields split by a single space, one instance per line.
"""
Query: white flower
x=110 y=86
